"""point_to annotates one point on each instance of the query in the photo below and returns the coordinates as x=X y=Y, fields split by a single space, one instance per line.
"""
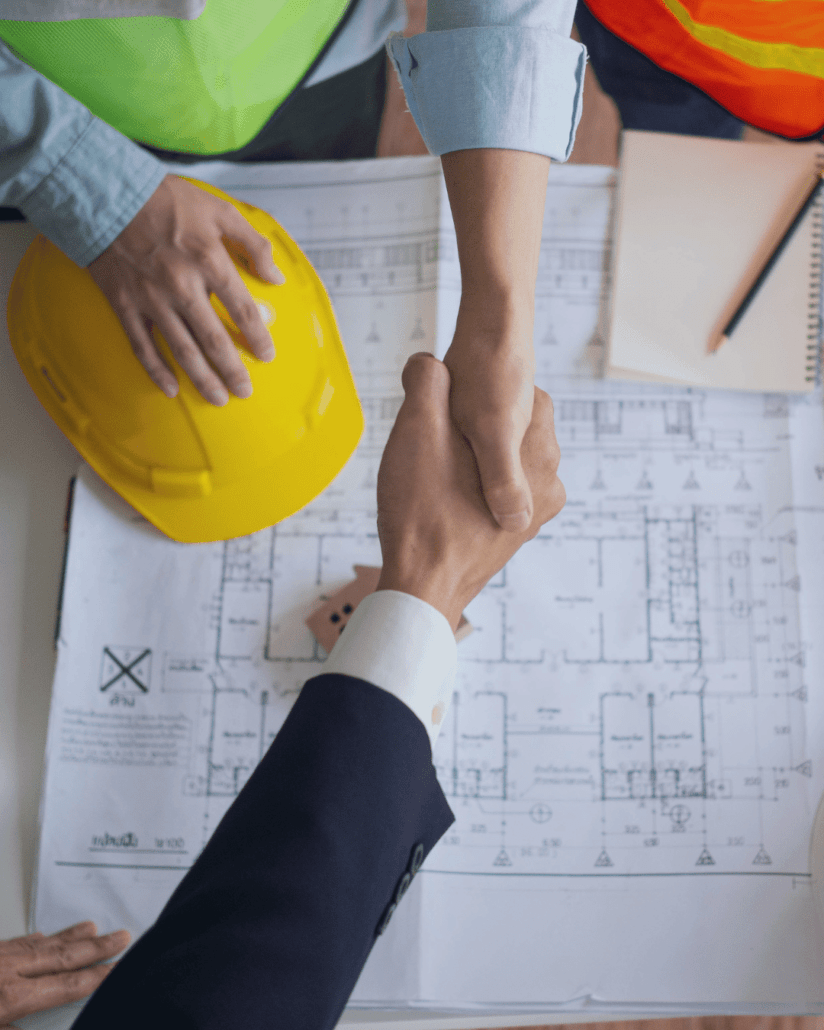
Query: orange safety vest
x=763 y=60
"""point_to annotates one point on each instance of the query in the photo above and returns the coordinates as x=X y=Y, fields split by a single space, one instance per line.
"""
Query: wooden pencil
x=764 y=271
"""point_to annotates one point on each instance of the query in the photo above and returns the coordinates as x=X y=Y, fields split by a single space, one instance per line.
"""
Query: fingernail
x=218 y=398
x=268 y=354
x=516 y=523
x=242 y=390
x=170 y=391
x=276 y=276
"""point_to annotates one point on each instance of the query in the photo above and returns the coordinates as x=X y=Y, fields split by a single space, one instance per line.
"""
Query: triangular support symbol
x=705 y=858
x=762 y=858
x=503 y=859
x=603 y=860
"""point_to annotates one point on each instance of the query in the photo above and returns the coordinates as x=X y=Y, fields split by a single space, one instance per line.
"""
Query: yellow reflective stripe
x=786 y=56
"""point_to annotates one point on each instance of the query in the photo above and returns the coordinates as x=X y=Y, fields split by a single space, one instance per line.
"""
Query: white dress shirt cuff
x=404 y=646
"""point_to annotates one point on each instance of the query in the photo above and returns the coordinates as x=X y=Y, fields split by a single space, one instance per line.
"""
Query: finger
x=60 y=954
x=190 y=357
x=503 y=481
x=78 y=931
x=20 y=945
x=426 y=383
x=541 y=457
x=243 y=310
x=46 y=992
x=250 y=247
x=216 y=344
x=146 y=352
x=540 y=453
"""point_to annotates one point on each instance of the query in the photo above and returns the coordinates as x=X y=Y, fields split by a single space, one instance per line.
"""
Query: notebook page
x=694 y=217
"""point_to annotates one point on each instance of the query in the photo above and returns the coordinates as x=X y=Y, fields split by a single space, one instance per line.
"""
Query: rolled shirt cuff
x=493 y=86
x=89 y=196
x=404 y=646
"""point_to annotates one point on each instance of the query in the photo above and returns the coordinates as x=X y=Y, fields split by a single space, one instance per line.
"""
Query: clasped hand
x=162 y=268
x=438 y=538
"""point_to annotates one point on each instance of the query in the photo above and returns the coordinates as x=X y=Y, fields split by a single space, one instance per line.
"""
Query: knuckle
x=219 y=347
x=554 y=501
x=63 y=956
x=261 y=244
x=75 y=982
x=247 y=312
x=186 y=354
x=220 y=277
x=202 y=253
x=119 y=298
x=187 y=298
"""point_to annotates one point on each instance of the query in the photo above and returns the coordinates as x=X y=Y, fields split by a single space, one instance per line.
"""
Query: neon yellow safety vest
x=205 y=86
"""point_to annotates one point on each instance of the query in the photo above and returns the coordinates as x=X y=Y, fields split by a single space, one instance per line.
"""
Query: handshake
x=441 y=544
x=438 y=537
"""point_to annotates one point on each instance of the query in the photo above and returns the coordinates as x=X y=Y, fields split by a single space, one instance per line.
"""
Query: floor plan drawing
x=638 y=708
x=681 y=630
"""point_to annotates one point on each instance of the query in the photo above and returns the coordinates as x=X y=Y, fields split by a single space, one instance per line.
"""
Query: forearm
x=497 y=199
x=74 y=177
x=273 y=923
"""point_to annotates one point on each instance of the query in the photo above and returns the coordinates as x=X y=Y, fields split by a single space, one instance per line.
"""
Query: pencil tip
x=717 y=343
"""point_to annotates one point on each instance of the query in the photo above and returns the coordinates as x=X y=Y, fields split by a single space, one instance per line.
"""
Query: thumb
x=504 y=484
x=251 y=249
x=426 y=382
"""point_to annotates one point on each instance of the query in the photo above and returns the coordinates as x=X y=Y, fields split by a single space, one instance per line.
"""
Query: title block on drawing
x=332 y=612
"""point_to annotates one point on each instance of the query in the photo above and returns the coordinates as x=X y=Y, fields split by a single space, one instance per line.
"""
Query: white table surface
x=36 y=464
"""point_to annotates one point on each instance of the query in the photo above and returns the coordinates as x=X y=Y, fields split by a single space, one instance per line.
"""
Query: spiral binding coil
x=813 y=361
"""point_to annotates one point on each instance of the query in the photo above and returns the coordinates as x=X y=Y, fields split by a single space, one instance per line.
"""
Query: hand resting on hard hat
x=161 y=270
x=438 y=538
x=39 y=972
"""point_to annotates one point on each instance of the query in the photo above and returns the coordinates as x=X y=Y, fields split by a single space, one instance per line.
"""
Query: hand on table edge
x=497 y=199
x=40 y=972
x=438 y=538
x=160 y=271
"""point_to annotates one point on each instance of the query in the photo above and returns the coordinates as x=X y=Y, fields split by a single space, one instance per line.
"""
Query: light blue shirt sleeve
x=494 y=73
x=79 y=181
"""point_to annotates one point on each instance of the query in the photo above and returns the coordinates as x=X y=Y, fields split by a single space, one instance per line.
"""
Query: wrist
x=497 y=199
x=434 y=585
x=503 y=310
x=495 y=328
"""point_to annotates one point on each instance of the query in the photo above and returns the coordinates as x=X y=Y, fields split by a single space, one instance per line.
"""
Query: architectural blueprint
x=634 y=751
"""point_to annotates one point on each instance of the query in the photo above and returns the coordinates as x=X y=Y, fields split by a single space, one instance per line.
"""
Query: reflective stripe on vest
x=206 y=86
x=763 y=60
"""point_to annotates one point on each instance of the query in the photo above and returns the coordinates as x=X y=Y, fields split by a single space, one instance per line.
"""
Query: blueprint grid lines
x=635 y=701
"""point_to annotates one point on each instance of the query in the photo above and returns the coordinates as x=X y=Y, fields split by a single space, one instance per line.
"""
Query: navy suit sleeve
x=271 y=926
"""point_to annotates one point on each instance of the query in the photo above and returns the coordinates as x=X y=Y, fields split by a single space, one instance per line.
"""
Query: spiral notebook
x=695 y=216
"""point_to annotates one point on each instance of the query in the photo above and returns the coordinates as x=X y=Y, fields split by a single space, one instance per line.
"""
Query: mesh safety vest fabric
x=763 y=60
x=203 y=87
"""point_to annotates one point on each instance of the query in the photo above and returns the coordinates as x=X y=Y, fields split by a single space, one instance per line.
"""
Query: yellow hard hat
x=196 y=471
